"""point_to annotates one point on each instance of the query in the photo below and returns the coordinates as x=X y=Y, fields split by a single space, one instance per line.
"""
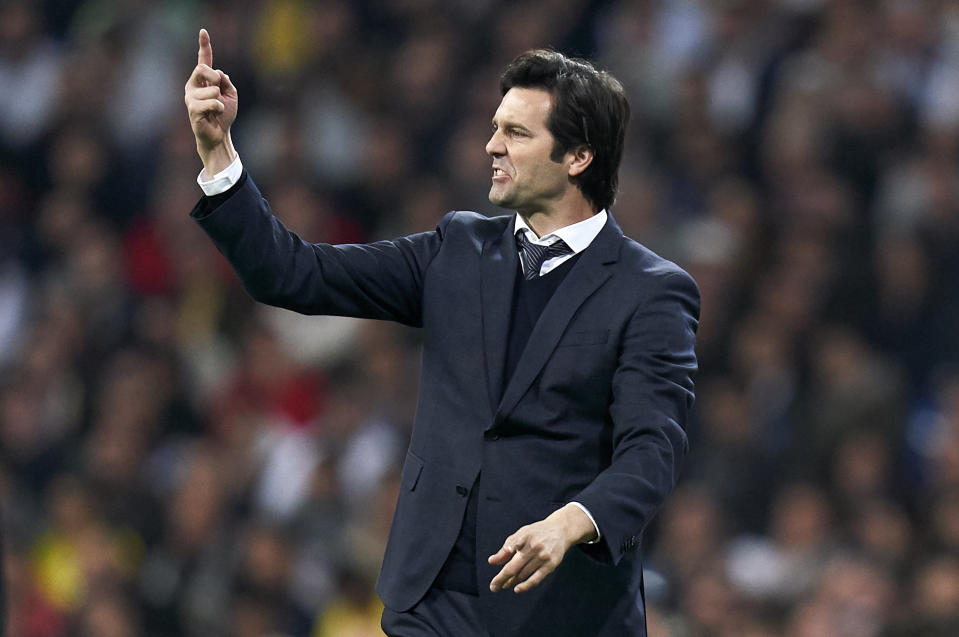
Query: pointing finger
x=205 y=54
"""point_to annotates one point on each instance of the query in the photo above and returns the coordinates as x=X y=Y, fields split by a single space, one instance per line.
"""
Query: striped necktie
x=533 y=256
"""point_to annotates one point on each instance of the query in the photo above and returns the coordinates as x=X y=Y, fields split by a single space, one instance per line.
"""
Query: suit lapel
x=499 y=264
x=586 y=276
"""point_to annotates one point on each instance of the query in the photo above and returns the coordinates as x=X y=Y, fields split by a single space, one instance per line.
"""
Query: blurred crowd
x=176 y=460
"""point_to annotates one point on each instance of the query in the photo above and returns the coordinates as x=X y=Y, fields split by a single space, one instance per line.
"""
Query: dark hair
x=589 y=109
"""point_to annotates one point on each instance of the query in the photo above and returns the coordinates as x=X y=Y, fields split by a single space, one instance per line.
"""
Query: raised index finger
x=205 y=54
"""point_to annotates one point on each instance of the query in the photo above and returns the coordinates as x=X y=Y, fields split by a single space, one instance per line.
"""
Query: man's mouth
x=499 y=173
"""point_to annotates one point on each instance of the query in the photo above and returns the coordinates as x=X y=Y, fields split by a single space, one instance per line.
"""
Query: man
x=557 y=363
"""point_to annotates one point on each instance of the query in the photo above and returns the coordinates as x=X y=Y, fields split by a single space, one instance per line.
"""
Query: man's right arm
x=382 y=280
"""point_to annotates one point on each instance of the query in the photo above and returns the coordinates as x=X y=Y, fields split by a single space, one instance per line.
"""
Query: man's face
x=525 y=179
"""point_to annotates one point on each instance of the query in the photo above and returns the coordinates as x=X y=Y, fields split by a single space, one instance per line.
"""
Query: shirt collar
x=577 y=236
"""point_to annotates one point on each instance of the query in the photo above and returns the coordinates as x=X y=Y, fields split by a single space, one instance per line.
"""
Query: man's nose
x=495 y=146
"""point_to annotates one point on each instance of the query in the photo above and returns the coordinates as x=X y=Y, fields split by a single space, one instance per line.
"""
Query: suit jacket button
x=460 y=489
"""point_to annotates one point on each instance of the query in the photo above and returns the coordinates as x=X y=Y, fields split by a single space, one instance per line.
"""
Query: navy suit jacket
x=594 y=412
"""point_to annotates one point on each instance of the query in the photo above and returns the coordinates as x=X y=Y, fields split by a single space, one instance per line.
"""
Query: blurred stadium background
x=178 y=461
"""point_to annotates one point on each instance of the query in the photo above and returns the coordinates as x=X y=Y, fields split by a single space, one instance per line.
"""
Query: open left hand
x=535 y=550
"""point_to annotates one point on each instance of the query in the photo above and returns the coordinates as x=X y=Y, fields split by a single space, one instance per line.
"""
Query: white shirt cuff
x=595 y=526
x=223 y=180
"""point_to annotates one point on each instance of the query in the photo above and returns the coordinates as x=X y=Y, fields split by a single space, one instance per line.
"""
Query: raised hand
x=211 y=102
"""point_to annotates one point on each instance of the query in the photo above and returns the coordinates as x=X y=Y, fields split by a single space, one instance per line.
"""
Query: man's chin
x=499 y=200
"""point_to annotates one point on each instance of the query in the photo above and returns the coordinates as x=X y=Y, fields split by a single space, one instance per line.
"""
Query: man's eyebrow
x=509 y=125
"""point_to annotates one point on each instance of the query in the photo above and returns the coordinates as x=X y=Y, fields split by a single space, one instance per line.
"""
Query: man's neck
x=543 y=222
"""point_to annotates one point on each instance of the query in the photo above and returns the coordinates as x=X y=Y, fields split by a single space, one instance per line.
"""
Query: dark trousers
x=440 y=613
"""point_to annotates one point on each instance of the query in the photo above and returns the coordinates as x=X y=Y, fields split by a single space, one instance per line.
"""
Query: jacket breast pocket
x=584 y=337
x=412 y=469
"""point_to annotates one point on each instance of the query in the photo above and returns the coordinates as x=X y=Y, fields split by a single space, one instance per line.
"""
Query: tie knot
x=533 y=255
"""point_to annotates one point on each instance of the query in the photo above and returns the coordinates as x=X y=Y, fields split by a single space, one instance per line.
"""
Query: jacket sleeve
x=652 y=393
x=381 y=280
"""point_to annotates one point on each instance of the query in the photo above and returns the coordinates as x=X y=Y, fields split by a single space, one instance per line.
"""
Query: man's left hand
x=535 y=550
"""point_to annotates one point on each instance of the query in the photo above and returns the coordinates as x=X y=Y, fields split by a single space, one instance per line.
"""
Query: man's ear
x=582 y=157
